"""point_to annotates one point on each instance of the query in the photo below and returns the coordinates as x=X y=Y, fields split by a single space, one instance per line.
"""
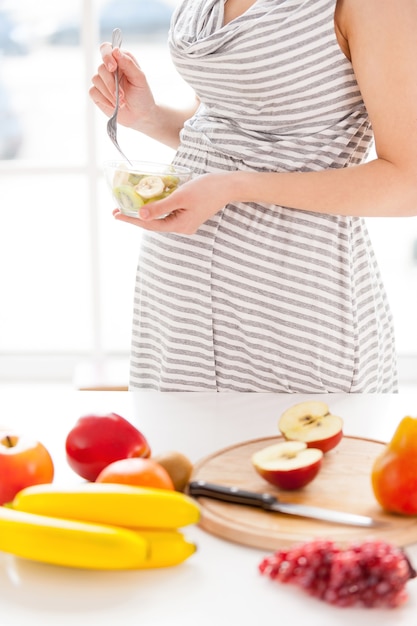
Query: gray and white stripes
x=264 y=298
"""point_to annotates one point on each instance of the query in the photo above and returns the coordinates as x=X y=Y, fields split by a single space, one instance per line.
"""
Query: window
x=68 y=269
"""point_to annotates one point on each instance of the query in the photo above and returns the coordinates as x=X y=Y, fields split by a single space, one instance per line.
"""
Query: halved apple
x=312 y=423
x=288 y=465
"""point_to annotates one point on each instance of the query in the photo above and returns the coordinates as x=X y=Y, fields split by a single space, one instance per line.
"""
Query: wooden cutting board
x=343 y=483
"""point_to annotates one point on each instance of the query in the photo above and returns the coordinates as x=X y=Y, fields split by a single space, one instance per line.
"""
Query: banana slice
x=150 y=186
x=121 y=177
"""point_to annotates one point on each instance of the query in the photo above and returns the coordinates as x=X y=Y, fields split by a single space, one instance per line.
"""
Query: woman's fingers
x=102 y=91
x=106 y=52
x=129 y=68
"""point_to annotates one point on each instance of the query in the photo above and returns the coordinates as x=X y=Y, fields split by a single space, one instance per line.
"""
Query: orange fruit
x=136 y=471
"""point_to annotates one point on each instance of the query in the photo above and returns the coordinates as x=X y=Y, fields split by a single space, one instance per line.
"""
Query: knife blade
x=269 y=502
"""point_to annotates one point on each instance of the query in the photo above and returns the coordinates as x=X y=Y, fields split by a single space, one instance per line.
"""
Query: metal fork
x=116 y=42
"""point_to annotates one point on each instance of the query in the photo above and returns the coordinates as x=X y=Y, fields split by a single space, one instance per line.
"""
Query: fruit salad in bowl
x=133 y=185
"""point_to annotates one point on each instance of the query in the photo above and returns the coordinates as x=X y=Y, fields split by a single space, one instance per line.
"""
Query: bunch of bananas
x=99 y=526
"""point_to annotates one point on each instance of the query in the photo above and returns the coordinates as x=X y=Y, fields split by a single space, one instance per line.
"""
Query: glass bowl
x=134 y=185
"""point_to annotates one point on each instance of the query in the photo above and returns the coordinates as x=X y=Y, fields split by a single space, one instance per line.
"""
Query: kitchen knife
x=269 y=502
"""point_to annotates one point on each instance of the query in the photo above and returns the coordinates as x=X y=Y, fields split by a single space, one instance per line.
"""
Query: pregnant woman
x=262 y=278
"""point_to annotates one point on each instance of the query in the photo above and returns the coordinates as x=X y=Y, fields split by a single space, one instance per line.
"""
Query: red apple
x=312 y=423
x=288 y=465
x=23 y=462
x=98 y=440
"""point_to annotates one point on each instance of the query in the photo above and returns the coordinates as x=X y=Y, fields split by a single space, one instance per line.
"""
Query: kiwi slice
x=133 y=179
x=127 y=198
x=161 y=196
x=171 y=182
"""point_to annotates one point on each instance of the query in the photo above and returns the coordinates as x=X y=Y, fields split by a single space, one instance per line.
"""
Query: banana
x=107 y=503
x=71 y=543
x=85 y=545
x=150 y=186
x=166 y=548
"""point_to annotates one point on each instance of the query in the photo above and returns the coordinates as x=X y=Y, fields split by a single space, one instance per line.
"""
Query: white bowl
x=134 y=185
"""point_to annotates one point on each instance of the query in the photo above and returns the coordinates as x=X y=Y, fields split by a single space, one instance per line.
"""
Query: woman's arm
x=138 y=109
x=381 y=40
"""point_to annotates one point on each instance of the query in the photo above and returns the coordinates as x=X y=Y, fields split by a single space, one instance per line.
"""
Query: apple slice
x=312 y=423
x=288 y=465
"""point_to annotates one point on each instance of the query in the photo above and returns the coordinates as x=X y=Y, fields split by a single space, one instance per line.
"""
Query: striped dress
x=264 y=298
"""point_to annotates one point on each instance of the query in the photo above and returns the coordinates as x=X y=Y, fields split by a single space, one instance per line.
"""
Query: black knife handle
x=231 y=494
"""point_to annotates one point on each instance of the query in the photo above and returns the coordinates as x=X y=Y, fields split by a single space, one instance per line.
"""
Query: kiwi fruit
x=127 y=198
x=133 y=179
x=171 y=182
x=178 y=466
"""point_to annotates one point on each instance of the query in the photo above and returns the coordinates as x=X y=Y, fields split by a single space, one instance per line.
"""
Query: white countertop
x=220 y=584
